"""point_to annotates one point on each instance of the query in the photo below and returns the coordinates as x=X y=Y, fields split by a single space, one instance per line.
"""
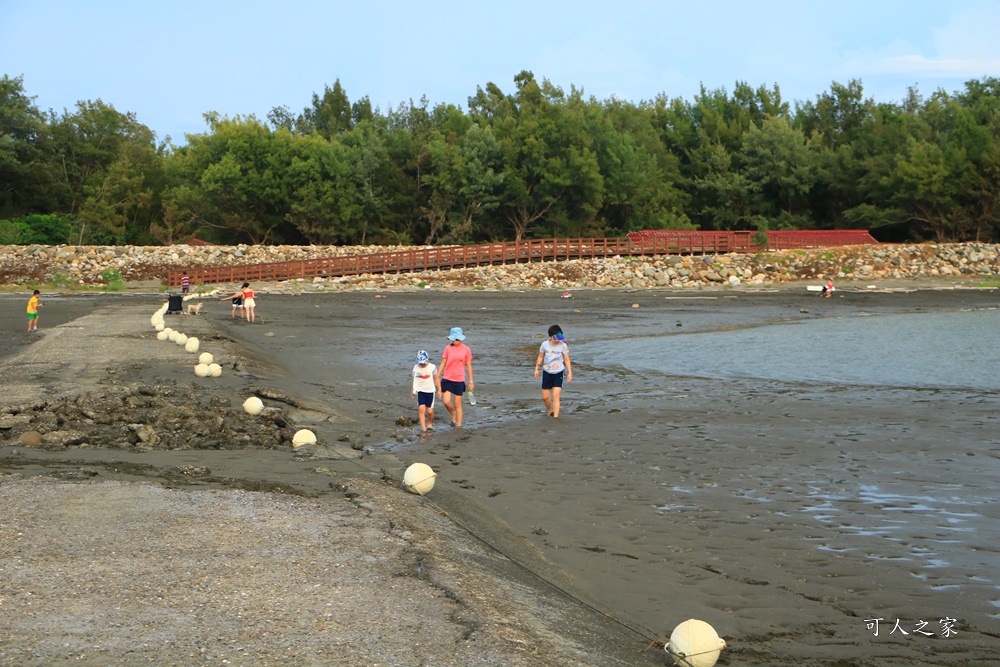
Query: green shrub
x=11 y=232
x=112 y=279
x=60 y=279
x=43 y=229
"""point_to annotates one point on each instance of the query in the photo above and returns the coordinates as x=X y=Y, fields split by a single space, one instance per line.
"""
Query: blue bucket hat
x=456 y=334
x=422 y=357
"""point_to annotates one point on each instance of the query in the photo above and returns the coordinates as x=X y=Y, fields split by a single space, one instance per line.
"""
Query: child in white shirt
x=424 y=390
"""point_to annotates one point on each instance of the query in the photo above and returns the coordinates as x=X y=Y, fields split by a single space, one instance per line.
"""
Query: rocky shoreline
x=66 y=266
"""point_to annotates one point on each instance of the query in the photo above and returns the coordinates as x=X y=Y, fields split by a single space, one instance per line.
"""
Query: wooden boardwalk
x=658 y=242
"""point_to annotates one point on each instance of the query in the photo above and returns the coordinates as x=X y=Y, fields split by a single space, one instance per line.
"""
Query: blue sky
x=170 y=62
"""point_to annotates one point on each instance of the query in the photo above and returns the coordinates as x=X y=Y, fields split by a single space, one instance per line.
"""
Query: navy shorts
x=425 y=398
x=456 y=388
x=551 y=380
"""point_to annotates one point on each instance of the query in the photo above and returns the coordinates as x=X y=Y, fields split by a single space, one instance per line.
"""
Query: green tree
x=330 y=114
x=837 y=116
x=324 y=203
x=232 y=178
x=640 y=175
x=549 y=168
x=728 y=198
x=464 y=178
x=106 y=159
x=923 y=187
x=25 y=167
x=368 y=153
x=777 y=157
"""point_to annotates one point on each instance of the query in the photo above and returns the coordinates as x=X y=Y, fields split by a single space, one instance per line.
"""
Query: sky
x=171 y=62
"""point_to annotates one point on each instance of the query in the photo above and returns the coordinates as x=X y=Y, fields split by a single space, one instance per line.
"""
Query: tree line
x=535 y=162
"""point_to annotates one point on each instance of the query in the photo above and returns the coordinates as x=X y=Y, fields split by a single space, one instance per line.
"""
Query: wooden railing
x=658 y=242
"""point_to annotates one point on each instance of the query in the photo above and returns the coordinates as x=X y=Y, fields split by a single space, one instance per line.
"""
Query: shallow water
x=952 y=350
x=915 y=495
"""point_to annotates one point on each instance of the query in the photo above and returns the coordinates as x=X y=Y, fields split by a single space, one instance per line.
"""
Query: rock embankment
x=95 y=265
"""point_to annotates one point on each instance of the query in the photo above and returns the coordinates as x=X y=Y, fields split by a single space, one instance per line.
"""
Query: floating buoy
x=635 y=305
x=160 y=326
x=206 y=358
x=215 y=370
x=181 y=339
x=201 y=370
x=695 y=643
x=162 y=334
x=192 y=344
x=253 y=406
x=419 y=478
x=303 y=437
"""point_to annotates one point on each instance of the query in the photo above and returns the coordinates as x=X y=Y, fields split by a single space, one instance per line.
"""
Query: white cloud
x=965 y=47
x=937 y=67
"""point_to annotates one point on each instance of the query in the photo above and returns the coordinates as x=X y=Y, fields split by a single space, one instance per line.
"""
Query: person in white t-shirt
x=424 y=389
x=553 y=358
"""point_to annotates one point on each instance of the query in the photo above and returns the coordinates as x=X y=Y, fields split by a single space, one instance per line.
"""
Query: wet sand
x=668 y=497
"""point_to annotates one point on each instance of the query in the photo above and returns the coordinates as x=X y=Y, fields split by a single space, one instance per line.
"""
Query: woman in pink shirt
x=450 y=378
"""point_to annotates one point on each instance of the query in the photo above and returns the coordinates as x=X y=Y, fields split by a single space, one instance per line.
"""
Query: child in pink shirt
x=450 y=378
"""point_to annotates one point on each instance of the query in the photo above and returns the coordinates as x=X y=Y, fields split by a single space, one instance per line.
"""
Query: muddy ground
x=572 y=501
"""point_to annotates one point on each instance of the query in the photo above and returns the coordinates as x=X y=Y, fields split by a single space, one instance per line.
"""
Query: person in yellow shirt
x=33 y=305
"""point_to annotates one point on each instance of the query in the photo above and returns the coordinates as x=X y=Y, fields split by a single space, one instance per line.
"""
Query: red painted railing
x=654 y=242
x=776 y=240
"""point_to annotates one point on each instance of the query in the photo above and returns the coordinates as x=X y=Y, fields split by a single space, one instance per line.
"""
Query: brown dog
x=194 y=309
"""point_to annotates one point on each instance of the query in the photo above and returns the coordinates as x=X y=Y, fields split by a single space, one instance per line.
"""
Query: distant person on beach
x=33 y=305
x=827 y=288
x=424 y=390
x=237 y=306
x=450 y=378
x=553 y=358
x=185 y=283
x=245 y=295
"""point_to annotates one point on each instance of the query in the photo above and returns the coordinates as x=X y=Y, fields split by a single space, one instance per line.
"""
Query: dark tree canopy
x=533 y=161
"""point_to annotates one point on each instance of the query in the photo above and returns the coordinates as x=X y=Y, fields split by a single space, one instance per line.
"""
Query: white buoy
x=181 y=339
x=695 y=643
x=192 y=344
x=206 y=358
x=160 y=327
x=201 y=370
x=162 y=334
x=172 y=335
x=215 y=370
x=303 y=437
x=419 y=478
x=253 y=406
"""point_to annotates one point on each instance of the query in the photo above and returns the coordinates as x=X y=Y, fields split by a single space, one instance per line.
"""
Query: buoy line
x=645 y=633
